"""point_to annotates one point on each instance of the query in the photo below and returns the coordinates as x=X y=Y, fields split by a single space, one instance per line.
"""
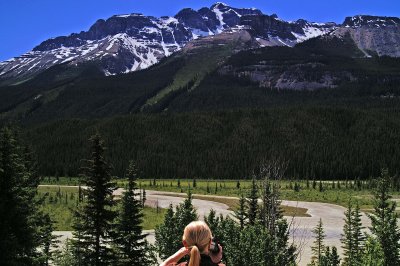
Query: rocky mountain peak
x=219 y=5
x=130 y=42
x=370 y=21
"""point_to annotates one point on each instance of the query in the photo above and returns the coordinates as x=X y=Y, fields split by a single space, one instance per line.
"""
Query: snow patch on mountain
x=130 y=42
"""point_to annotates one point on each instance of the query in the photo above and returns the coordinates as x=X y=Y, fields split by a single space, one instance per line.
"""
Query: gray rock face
x=373 y=35
x=292 y=77
x=370 y=21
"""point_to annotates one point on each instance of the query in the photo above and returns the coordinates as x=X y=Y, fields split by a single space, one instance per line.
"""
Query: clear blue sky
x=26 y=23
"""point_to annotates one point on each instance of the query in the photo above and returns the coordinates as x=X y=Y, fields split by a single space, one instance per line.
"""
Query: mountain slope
x=373 y=35
x=212 y=73
x=126 y=43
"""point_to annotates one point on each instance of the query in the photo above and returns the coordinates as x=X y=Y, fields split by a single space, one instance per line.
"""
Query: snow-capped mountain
x=373 y=34
x=119 y=44
x=126 y=43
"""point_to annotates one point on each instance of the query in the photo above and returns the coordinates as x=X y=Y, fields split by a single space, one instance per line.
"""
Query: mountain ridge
x=130 y=42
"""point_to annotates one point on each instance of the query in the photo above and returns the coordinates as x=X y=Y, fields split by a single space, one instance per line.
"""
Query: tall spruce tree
x=144 y=198
x=252 y=202
x=166 y=234
x=318 y=248
x=384 y=222
x=185 y=213
x=22 y=224
x=94 y=218
x=353 y=237
x=129 y=240
x=241 y=212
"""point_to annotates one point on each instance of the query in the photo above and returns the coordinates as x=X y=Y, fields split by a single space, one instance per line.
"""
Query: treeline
x=318 y=143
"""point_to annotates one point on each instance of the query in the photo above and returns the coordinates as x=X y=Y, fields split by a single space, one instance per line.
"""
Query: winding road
x=301 y=227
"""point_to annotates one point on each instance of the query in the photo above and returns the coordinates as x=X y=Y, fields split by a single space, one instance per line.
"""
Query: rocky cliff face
x=373 y=35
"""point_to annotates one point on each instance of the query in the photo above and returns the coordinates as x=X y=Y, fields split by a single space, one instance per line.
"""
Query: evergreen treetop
x=94 y=219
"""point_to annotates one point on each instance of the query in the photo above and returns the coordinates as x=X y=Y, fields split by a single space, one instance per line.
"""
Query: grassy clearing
x=60 y=203
x=336 y=192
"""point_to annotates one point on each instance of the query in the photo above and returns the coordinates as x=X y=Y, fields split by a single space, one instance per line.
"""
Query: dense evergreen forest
x=195 y=115
x=317 y=142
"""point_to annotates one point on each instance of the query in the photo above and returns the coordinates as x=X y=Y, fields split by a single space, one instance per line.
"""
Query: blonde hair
x=197 y=236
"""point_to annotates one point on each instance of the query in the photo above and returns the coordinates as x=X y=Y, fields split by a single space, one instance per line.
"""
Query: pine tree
x=252 y=202
x=166 y=235
x=185 y=212
x=353 y=237
x=384 y=222
x=372 y=254
x=334 y=257
x=358 y=235
x=22 y=224
x=129 y=240
x=330 y=258
x=241 y=212
x=212 y=221
x=318 y=248
x=48 y=241
x=94 y=218
x=347 y=236
x=144 y=198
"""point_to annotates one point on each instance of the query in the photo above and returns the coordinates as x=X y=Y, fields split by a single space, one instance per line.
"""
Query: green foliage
x=318 y=247
x=330 y=258
x=25 y=231
x=65 y=256
x=169 y=234
x=373 y=253
x=353 y=237
x=252 y=203
x=131 y=245
x=253 y=244
x=94 y=218
x=241 y=212
x=324 y=143
x=384 y=222
x=270 y=213
x=263 y=242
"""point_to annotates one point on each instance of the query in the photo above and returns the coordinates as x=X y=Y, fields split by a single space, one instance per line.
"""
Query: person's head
x=197 y=236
